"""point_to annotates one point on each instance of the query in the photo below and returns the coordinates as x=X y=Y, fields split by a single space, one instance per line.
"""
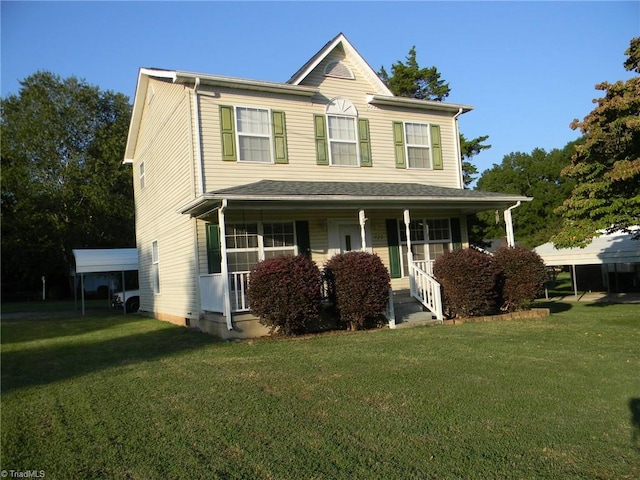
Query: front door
x=350 y=238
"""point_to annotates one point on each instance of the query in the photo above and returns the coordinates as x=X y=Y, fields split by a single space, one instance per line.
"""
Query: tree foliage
x=606 y=168
x=63 y=184
x=409 y=80
x=536 y=174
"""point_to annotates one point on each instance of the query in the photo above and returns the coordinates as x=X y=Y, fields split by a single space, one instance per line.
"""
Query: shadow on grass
x=634 y=407
x=554 y=307
x=39 y=366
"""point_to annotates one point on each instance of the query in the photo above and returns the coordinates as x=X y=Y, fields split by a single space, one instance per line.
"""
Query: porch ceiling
x=279 y=194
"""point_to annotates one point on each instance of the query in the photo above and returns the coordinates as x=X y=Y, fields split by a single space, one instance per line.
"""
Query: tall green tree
x=606 y=168
x=536 y=174
x=407 y=79
x=63 y=183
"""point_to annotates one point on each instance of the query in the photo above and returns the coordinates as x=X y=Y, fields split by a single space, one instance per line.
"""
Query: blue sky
x=528 y=68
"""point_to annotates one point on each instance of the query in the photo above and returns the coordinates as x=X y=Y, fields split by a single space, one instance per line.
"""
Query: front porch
x=407 y=225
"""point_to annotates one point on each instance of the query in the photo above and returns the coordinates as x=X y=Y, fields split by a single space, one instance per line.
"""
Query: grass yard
x=121 y=396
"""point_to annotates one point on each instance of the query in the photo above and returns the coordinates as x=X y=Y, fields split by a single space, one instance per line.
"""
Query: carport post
x=124 y=295
x=82 y=291
x=575 y=281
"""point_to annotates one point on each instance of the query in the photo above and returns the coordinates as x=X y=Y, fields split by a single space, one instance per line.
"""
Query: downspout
x=456 y=135
x=508 y=224
x=196 y=110
x=225 y=266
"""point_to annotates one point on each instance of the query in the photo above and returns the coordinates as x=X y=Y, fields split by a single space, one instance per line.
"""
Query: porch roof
x=282 y=193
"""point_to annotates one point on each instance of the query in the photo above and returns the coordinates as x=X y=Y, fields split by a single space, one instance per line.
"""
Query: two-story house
x=231 y=171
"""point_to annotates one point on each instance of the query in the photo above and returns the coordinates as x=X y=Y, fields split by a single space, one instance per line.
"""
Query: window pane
x=342 y=128
x=418 y=157
x=241 y=235
x=278 y=235
x=253 y=120
x=242 y=261
x=344 y=153
x=277 y=253
x=417 y=134
x=439 y=229
x=254 y=149
x=437 y=250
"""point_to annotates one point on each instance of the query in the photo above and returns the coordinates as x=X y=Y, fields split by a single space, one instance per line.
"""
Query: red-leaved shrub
x=524 y=275
x=358 y=284
x=285 y=293
x=469 y=281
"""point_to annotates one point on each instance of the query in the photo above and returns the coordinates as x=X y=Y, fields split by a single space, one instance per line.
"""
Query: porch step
x=411 y=313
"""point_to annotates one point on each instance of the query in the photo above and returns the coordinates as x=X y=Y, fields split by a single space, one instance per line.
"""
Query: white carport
x=614 y=252
x=104 y=260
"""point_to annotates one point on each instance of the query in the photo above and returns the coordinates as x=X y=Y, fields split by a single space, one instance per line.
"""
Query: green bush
x=358 y=285
x=285 y=293
x=523 y=274
x=470 y=282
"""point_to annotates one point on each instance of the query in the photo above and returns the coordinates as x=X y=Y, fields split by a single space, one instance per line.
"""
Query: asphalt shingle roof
x=279 y=188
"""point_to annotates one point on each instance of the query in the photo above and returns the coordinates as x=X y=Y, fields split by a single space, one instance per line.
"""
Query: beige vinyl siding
x=301 y=140
x=165 y=146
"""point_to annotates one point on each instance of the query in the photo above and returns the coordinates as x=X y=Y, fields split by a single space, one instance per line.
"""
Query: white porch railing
x=424 y=287
x=212 y=292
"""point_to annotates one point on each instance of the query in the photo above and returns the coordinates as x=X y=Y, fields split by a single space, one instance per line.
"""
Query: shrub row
x=286 y=292
x=475 y=283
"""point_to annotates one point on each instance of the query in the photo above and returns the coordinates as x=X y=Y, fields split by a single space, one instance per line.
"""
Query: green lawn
x=121 y=396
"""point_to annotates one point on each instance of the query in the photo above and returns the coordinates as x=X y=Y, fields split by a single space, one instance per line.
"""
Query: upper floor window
x=417 y=145
x=341 y=137
x=254 y=135
x=418 y=155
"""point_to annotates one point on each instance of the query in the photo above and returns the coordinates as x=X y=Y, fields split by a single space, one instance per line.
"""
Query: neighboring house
x=230 y=171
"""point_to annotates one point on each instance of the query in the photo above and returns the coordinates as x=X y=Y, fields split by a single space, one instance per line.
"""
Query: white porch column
x=224 y=267
x=363 y=220
x=407 y=221
x=508 y=225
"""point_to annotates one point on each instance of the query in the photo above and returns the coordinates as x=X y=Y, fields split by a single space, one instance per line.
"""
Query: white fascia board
x=245 y=84
x=138 y=104
x=417 y=103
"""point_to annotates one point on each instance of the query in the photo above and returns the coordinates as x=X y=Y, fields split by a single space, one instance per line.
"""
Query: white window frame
x=424 y=244
x=408 y=145
x=141 y=175
x=340 y=107
x=261 y=249
x=268 y=136
x=155 y=268
x=354 y=122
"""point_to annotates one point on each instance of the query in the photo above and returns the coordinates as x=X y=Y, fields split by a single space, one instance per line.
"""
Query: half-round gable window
x=341 y=106
x=338 y=69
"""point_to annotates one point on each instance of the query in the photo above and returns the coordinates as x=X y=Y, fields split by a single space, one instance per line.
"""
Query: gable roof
x=354 y=56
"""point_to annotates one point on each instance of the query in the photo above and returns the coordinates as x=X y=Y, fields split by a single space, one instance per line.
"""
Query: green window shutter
x=279 y=137
x=302 y=237
x=398 y=141
x=365 y=142
x=436 y=147
x=214 y=250
x=322 y=150
x=393 y=241
x=228 y=132
x=456 y=233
